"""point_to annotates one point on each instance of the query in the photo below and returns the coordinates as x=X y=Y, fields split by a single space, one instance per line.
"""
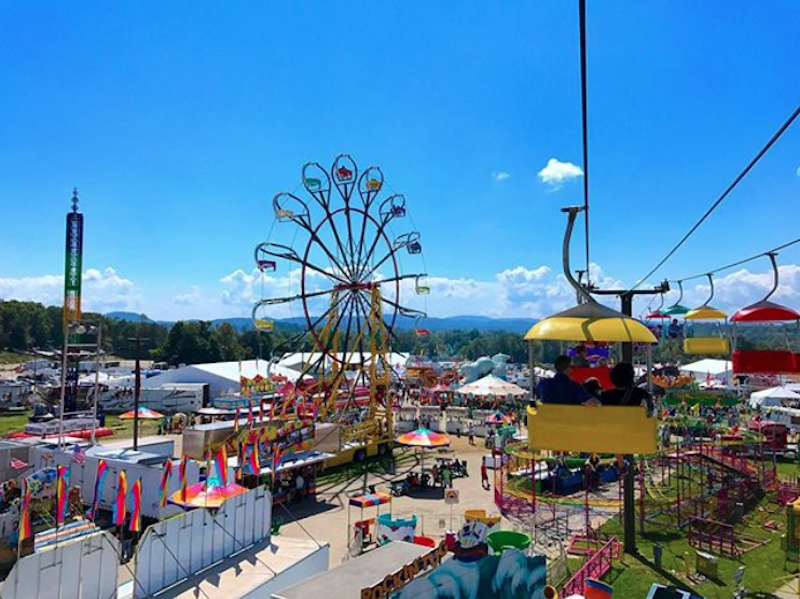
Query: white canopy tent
x=721 y=371
x=774 y=397
x=492 y=385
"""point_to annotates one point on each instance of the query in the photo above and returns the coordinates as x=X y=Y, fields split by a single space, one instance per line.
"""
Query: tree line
x=30 y=326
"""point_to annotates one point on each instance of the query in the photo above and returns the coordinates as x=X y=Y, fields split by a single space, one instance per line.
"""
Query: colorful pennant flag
x=255 y=460
x=119 y=512
x=25 y=529
x=102 y=472
x=136 y=507
x=61 y=494
x=165 y=483
x=221 y=462
x=184 y=483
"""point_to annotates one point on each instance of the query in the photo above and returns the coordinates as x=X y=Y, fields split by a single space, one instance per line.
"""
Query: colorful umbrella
x=144 y=414
x=213 y=497
x=423 y=437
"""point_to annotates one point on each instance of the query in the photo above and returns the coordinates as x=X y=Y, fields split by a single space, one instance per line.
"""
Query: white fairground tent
x=492 y=385
x=221 y=377
x=708 y=370
x=774 y=397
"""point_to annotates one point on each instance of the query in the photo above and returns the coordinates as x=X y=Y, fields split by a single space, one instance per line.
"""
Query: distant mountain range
x=450 y=323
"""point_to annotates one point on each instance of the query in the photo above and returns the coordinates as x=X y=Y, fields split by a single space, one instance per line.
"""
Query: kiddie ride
x=349 y=287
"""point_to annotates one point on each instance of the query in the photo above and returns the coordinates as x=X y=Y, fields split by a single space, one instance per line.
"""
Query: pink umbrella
x=197 y=495
x=144 y=414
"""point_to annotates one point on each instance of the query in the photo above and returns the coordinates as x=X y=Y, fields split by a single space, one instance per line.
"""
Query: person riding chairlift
x=626 y=393
x=560 y=389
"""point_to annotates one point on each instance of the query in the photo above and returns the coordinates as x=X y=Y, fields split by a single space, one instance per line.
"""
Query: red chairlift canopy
x=765 y=311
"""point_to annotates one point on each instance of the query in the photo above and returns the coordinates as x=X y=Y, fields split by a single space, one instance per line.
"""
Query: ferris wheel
x=343 y=272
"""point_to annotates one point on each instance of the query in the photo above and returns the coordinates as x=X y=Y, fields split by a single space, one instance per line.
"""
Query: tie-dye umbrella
x=197 y=495
x=144 y=414
x=423 y=437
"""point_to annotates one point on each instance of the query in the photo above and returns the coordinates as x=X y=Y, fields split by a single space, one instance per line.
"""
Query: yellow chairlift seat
x=706 y=345
x=602 y=429
x=591 y=322
x=705 y=313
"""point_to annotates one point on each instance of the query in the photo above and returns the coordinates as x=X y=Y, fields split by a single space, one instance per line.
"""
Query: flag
x=119 y=513
x=165 y=482
x=255 y=459
x=184 y=483
x=79 y=455
x=61 y=494
x=136 y=507
x=221 y=461
x=236 y=422
x=208 y=469
x=102 y=472
x=16 y=464
x=25 y=530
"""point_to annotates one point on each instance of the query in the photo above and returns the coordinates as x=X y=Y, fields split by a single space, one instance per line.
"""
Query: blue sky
x=179 y=121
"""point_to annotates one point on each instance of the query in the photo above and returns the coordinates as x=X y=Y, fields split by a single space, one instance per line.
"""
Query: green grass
x=12 y=424
x=632 y=577
x=788 y=468
x=10 y=357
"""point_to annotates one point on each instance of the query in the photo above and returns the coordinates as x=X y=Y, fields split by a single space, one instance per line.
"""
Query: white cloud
x=103 y=291
x=500 y=175
x=190 y=298
x=556 y=173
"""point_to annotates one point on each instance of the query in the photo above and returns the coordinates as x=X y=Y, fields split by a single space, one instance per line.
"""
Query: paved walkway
x=326 y=520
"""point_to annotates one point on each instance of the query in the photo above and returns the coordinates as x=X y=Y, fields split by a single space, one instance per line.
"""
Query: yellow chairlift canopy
x=591 y=322
x=706 y=313
x=596 y=429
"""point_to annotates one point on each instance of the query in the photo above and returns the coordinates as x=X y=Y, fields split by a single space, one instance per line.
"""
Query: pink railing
x=595 y=568
x=712 y=536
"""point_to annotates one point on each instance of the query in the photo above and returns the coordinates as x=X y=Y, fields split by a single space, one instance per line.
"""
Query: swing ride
x=348 y=279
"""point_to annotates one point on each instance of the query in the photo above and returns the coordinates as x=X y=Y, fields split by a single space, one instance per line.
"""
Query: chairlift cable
x=724 y=195
x=584 y=119
x=740 y=262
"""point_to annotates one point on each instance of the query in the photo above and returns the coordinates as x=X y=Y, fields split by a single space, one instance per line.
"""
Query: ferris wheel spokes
x=266 y=250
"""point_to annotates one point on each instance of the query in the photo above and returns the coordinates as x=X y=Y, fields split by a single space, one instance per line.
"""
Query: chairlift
x=605 y=429
x=677 y=309
x=765 y=314
x=717 y=344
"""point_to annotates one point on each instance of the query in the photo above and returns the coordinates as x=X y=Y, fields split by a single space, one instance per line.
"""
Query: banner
x=73 y=265
x=256 y=385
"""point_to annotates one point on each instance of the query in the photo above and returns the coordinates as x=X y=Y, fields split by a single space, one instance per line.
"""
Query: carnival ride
x=350 y=282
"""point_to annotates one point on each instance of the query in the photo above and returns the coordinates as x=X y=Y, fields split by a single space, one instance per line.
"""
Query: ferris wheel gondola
x=346 y=273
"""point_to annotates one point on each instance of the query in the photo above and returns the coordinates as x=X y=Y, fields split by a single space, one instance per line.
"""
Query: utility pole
x=137 y=388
